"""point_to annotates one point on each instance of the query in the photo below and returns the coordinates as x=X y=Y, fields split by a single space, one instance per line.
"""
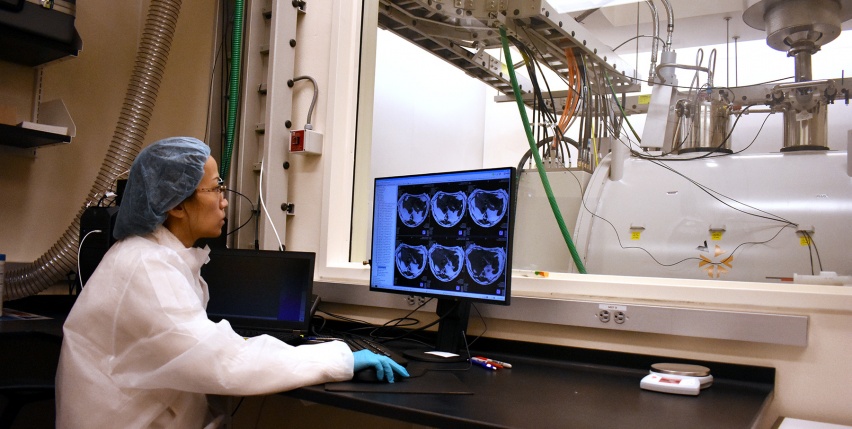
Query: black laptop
x=262 y=291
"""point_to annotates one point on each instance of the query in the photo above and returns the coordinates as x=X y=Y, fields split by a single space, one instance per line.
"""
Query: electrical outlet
x=607 y=312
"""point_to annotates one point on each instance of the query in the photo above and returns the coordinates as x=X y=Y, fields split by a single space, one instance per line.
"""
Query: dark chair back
x=28 y=362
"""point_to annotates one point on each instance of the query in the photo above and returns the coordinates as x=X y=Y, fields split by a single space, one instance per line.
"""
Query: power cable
x=253 y=210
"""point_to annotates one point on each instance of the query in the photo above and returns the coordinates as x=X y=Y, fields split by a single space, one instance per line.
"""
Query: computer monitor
x=446 y=236
x=260 y=289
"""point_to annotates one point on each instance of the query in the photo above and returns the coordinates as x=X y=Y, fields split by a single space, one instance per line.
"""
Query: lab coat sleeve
x=164 y=340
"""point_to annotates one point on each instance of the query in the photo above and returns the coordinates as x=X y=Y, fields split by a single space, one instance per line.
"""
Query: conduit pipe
x=233 y=89
x=655 y=41
x=670 y=27
x=56 y=264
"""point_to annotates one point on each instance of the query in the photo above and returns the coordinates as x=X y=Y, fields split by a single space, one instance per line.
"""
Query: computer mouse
x=367 y=375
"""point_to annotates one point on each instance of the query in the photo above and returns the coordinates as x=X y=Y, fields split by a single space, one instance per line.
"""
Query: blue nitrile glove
x=385 y=367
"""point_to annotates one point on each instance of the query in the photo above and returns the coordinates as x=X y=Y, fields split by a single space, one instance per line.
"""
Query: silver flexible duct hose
x=670 y=28
x=153 y=52
x=655 y=20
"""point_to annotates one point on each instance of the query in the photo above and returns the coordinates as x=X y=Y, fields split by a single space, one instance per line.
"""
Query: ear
x=178 y=211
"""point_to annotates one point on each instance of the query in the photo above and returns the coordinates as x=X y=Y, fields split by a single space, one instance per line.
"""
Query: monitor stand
x=450 y=344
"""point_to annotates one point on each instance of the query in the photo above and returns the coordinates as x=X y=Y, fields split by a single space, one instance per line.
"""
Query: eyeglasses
x=221 y=188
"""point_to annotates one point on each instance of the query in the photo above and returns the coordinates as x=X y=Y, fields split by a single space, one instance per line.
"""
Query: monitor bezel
x=269 y=257
x=512 y=188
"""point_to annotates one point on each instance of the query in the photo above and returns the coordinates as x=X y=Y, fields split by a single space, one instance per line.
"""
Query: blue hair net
x=162 y=176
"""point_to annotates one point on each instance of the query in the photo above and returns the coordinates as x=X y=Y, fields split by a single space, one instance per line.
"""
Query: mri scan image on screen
x=411 y=260
x=413 y=209
x=463 y=255
x=445 y=262
x=488 y=207
x=448 y=208
x=447 y=235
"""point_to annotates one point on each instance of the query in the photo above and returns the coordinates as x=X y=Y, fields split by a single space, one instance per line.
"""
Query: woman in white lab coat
x=138 y=349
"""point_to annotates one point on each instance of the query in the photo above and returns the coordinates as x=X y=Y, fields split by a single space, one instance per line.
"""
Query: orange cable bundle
x=571 y=99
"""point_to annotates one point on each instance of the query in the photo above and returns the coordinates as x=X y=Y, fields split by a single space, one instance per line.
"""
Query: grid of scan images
x=453 y=236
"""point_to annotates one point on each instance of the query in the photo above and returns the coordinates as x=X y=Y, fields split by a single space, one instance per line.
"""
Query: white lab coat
x=139 y=352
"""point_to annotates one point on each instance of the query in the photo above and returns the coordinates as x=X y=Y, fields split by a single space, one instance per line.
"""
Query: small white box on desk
x=671 y=384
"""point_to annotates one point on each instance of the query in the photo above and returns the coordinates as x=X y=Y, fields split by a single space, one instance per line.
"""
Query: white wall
x=428 y=115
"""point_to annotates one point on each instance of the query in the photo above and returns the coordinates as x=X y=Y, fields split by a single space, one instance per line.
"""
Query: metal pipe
x=747 y=112
x=670 y=28
x=140 y=97
x=682 y=66
x=811 y=83
x=655 y=42
x=803 y=66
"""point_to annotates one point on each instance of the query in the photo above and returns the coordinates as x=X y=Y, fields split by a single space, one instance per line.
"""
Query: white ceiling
x=696 y=23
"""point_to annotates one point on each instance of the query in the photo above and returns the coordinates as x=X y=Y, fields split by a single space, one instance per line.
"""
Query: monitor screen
x=260 y=285
x=444 y=235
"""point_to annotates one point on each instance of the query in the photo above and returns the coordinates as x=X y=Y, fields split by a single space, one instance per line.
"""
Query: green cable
x=233 y=90
x=516 y=90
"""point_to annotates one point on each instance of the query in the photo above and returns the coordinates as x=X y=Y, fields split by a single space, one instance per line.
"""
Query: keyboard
x=362 y=343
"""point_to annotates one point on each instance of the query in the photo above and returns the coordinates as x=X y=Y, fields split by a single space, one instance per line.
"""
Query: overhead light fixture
x=564 y=6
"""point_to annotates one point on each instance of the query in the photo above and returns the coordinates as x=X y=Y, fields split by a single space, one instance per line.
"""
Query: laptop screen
x=260 y=289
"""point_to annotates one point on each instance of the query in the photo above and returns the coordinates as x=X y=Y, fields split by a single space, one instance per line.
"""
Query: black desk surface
x=561 y=387
x=55 y=307
x=547 y=387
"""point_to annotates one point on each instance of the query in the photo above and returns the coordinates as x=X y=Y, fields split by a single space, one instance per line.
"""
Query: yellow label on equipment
x=804 y=241
x=645 y=99
x=635 y=235
x=716 y=235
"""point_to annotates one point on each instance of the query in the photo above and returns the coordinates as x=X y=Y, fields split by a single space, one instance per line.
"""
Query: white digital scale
x=677 y=378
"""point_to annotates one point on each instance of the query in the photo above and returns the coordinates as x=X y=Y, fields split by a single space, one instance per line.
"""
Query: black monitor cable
x=253 y=211
x=366 y=325
x=484 y=328
x=408 y=334
x=398 y=322
x=236 y=408
x=344 y=318
x=463 y=334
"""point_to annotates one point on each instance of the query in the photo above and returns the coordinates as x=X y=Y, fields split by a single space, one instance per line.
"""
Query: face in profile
x=205 y=209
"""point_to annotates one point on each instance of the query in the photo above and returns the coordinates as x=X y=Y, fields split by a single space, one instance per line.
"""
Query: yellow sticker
x=645 y=99
x=635 y=235
x=804 y=241
x=716 y=235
